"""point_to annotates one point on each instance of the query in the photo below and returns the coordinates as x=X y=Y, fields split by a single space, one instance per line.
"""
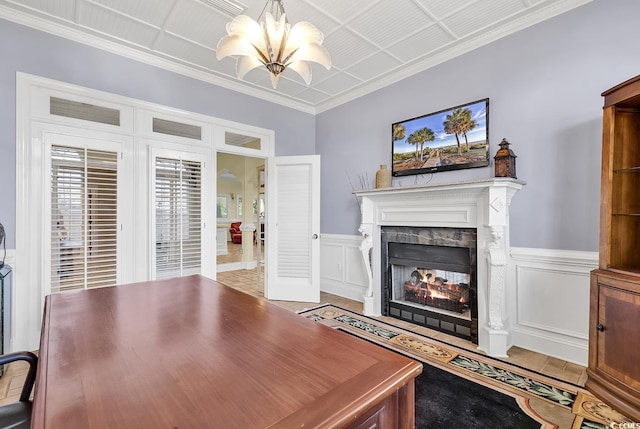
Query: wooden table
x=192 y=353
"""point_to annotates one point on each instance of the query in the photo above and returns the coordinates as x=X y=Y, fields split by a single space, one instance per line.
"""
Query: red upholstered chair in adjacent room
x=236 y=233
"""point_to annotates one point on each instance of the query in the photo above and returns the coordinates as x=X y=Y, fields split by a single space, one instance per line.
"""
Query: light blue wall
x=544 y=85
x=26 y=50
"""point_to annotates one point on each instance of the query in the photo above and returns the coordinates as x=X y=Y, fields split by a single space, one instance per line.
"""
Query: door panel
x=293 y=229
x=177 y=222
x=83 y=241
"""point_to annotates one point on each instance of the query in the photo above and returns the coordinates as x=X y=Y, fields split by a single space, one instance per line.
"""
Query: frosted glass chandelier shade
x=273 y=43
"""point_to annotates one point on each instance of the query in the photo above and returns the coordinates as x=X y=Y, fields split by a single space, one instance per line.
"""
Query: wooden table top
x=192 y=353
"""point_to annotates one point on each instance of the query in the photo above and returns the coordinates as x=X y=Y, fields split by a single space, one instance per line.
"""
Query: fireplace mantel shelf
x=468 y=185
x=480 y=204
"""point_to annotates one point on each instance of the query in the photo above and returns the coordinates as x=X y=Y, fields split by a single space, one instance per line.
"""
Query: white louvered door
x=293 y=229
x=177 y=219
x=83 y=213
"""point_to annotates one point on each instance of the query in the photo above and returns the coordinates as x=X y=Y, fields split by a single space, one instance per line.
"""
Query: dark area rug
x=460 y=388
x=445 y=400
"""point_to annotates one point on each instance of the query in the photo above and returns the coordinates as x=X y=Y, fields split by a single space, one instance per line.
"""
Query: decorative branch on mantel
x=365 y=184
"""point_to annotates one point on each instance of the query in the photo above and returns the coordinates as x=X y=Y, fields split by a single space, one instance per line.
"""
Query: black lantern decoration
x=505 y=161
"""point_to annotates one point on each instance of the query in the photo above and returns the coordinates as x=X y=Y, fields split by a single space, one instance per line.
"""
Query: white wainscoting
x=547 y=293
x=548 y=300
x=342 y=269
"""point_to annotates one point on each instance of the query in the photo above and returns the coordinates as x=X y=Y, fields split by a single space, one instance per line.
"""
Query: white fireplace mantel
x=481 y=204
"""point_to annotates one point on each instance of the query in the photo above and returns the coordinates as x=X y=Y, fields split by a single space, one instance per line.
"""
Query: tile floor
x=234 y=253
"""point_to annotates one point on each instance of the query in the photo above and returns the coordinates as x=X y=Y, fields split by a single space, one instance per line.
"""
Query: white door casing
x=293 y=228
x=33 y=238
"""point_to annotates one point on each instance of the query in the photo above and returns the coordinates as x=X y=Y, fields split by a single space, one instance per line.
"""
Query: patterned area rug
x=550 y=403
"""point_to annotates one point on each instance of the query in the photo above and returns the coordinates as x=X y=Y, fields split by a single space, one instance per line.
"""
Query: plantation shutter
x=178 y=217
x=294 y=214
x=84 y=221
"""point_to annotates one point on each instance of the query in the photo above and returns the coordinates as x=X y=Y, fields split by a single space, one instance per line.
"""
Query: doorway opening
x=240 y=216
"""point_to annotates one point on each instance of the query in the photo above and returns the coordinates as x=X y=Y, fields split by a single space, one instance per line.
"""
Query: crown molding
x=171 y=64
x=174 y=65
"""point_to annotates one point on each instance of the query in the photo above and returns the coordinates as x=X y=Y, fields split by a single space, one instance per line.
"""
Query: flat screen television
x=450 y=139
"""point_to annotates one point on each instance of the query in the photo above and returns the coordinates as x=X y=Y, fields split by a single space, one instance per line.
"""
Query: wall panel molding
x=342 y=270
x=548 y=301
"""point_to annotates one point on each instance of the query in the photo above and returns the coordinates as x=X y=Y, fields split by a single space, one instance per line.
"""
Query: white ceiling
x=373 y=43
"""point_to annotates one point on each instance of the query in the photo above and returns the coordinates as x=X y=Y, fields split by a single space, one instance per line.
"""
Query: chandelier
x=273 y=43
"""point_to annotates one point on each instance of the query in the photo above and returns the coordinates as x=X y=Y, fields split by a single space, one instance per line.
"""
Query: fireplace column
x=496 y=342
x=365 y=247
x=495 y=338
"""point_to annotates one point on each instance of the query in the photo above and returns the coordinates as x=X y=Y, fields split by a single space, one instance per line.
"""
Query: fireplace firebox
x=429 y=278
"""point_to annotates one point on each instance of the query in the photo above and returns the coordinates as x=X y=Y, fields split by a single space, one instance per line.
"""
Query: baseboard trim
x=340 y=289
x=572 y=351
x=233 y=266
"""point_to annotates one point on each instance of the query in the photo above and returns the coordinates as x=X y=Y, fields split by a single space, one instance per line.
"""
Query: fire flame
x=432 y=290
x=439 y=294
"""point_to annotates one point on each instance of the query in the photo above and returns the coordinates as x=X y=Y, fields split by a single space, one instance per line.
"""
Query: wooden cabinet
x=614 y=365
x=614 y=324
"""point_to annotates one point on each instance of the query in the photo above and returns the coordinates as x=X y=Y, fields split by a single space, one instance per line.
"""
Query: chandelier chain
x=275 y=11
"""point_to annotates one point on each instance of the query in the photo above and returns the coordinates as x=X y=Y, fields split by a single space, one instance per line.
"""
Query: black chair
x=17 y=415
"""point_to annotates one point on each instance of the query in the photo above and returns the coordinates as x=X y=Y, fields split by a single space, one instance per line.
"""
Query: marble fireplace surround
x=480 y=204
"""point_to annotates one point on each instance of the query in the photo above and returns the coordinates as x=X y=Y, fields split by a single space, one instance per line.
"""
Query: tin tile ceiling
x=373 y=43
